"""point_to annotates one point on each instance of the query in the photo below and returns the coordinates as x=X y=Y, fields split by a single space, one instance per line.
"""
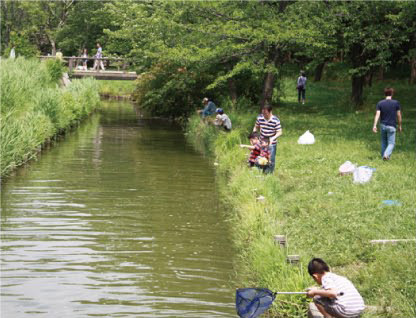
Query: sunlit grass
x=321 y=213
x=116 y=88
x=34 y=108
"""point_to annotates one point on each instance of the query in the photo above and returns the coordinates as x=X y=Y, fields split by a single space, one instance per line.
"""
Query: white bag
x=363 y=174
x=346 y=168
x=306 y=139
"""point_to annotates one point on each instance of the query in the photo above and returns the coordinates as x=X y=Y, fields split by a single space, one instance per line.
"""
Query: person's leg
x=299 y=94
x=391 y=140
x=313 y=311
x=270 y=168
x=383 y=134
x=303 y=96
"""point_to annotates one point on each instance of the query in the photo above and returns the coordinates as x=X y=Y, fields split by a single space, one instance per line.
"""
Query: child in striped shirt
x=338 y=297
x=254 y=147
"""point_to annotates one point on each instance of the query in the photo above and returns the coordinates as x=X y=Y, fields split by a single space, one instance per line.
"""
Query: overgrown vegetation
x=34 y=108
x=321 y=213
x=116 y=88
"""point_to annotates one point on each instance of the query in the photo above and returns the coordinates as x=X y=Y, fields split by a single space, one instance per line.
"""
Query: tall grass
x=321 y=213
x=34 y=108
x=117 y=87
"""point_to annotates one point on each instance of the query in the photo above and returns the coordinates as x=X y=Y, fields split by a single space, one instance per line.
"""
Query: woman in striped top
x=269 y=126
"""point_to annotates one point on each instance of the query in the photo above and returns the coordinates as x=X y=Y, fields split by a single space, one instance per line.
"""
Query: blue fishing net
x=252 y=302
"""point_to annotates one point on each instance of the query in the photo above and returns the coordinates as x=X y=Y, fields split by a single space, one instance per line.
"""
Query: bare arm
x=278 y=134
x=329 y=293
x=399 y=119
x=376 y=120
x=247 y=146
x=256 y=127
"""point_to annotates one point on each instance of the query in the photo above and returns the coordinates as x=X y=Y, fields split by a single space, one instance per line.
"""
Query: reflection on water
x=121 y=219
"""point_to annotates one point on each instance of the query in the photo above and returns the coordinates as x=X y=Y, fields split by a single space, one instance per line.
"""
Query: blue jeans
x=388 y=138
x=272 y=149
x=301 y=94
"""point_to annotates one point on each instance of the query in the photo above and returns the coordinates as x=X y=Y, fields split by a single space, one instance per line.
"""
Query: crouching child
x=337 y=298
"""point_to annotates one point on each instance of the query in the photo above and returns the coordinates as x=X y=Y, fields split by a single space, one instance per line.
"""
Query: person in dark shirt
x=388 y=110
x=301 y=87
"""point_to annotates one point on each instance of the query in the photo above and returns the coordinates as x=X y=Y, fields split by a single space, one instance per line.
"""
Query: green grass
x=116 y=88
x=321 y=213
x=34 y=108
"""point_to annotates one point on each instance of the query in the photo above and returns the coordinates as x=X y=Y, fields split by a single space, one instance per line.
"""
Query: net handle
x=290 y=293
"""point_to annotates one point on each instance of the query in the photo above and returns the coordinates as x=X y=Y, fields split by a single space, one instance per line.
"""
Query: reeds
x=34 y=108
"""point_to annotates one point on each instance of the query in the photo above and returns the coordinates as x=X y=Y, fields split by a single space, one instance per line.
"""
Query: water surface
x=119 y=219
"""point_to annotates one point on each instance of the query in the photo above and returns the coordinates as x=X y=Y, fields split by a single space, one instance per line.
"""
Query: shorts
x=332 y=308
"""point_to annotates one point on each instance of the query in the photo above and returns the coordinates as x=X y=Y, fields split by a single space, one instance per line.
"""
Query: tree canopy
x=226 y=49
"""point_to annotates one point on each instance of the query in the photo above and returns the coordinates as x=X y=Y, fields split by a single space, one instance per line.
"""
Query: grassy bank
x=321 y=213
x=114 y=88
x=34 y=108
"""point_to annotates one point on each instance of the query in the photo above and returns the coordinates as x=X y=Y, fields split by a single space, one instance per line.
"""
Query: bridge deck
x=105 y=75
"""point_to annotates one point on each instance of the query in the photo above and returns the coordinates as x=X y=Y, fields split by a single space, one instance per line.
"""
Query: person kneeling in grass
x=337 y=298
x=222 y=120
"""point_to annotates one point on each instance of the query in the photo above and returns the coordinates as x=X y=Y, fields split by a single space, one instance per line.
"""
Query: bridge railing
x=74 y=61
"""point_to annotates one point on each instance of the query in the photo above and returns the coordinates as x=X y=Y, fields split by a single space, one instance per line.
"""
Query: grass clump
x=116 y=88
x=321 y=213
x=34 y=108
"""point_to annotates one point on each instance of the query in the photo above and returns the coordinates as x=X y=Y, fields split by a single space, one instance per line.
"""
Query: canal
x=120 y=219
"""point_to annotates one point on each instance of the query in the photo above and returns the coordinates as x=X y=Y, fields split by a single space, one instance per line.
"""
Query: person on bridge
x=98 y=62
x=84 y=62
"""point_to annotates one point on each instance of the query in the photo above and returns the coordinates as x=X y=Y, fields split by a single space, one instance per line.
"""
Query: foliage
x=116 y=87
x=55 y=69
x=34 y=108
x=168 y=90
x=321 y=213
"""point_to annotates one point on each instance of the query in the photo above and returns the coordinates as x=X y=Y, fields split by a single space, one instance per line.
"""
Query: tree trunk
x=233 y=92
x=357 y=90
x=413 y=70
x=380 y=73
x=267 y=95
x=269 y=80
x=53 y=47
x=369 y=78
x=318 y=71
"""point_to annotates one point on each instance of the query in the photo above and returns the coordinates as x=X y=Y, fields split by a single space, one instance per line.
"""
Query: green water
x=120 y=219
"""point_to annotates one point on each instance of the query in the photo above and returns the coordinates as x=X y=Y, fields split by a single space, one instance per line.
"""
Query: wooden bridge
x=76 y=70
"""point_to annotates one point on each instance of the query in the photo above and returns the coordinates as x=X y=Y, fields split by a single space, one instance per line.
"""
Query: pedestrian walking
x=301 y=87
x=98 y=62
x=388 y=111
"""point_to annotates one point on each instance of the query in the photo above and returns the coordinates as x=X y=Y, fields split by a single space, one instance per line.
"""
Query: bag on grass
x=346 y=168
x=363 y=174
x=306 y=139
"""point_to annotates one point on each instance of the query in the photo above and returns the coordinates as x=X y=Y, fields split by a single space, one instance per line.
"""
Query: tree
x=371 y=32
x=229 y=39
